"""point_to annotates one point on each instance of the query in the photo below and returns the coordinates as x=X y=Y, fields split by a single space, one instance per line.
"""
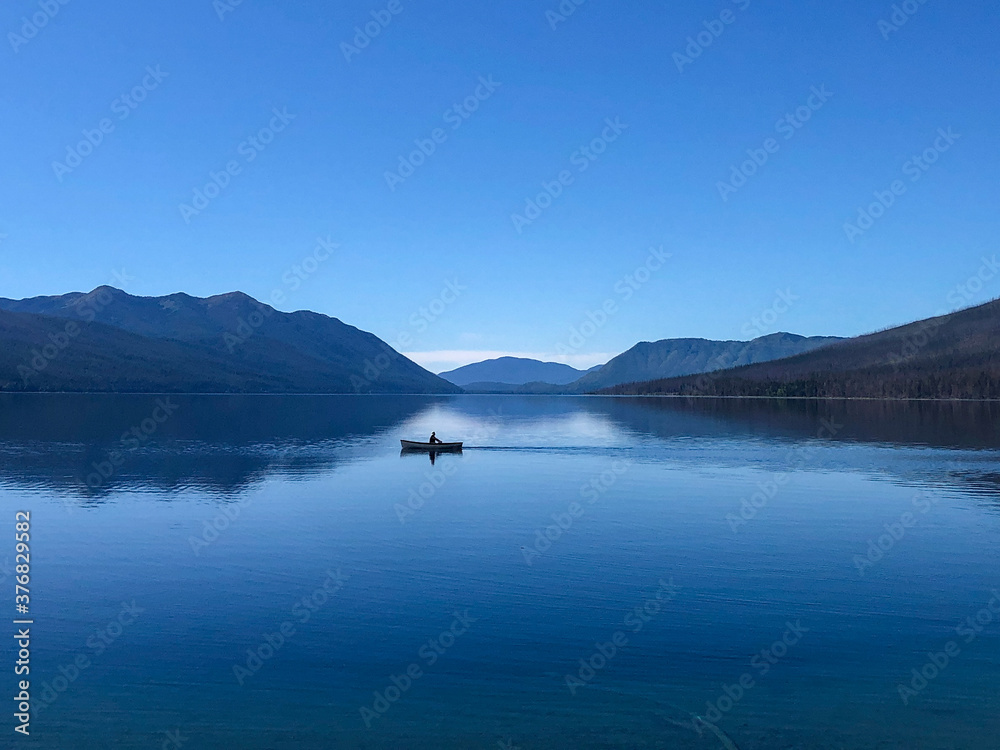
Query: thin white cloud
x=448 y=359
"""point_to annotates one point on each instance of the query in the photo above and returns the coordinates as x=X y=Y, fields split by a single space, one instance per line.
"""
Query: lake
x=270 y=572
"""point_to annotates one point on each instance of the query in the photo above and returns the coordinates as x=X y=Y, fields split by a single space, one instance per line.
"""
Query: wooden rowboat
x=411 y=445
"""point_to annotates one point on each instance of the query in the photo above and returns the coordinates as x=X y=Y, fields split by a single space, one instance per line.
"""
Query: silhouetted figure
x=434 y=440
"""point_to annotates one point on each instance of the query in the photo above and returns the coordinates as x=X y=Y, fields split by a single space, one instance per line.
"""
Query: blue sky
x=434 y=260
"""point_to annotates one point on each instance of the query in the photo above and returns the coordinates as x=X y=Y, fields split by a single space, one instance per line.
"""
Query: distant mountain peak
x=105 y=290
x=513 y=371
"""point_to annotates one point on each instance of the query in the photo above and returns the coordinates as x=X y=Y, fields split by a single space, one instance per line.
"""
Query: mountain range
x=947 y=357
x=110 y=341
x=675 y=357
x=107 y=340
x=644 y=361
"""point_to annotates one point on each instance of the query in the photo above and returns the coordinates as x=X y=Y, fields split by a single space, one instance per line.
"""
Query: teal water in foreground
x=271 y=572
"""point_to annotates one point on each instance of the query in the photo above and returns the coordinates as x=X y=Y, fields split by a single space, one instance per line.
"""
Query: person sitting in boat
x=434 y=439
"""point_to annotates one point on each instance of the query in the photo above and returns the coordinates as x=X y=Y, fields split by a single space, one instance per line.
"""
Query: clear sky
x=429 y=247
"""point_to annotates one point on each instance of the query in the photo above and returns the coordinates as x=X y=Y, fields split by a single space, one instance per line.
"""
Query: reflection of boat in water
x=411 y=445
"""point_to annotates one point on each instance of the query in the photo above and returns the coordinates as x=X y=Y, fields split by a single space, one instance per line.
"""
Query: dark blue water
x=271 y=572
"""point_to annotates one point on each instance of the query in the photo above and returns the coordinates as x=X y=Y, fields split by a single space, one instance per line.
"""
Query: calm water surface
x=588 y=573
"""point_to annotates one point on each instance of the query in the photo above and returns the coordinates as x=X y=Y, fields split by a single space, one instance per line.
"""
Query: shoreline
x=507 y=395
